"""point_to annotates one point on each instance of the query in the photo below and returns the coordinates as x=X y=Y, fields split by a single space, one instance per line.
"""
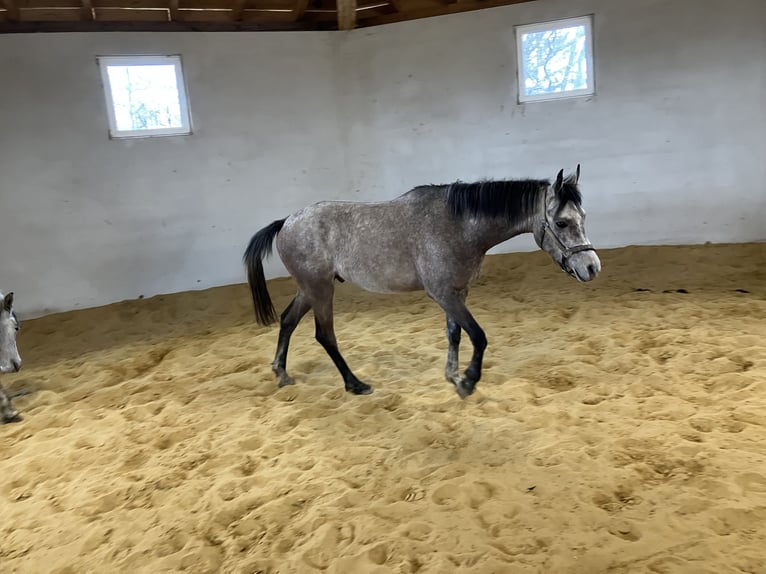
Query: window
x=145 y=96
x=555 y=59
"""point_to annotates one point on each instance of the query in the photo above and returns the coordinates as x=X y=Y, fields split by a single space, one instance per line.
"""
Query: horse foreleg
x=7 y=412
x=451 y=370
x=289 y=320
x=454 y=306
x=325 y=334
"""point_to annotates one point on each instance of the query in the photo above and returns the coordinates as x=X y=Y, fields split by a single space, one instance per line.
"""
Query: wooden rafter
x=237 y=10
x=11 y=10
x=454 y=8
x=21 y=16
x=300 y=9
x=87 y=10
x=346 y=14
x=124 y=26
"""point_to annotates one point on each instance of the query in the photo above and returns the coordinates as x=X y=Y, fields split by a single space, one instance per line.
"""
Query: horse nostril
x=16 y=366
x=592 y=269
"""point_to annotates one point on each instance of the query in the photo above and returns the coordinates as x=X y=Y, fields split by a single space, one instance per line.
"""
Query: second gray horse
x=10 y=360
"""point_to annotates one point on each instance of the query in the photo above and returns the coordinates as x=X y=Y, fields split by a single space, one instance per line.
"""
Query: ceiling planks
x=453 y=7
x=22 y=16
x=11 y=10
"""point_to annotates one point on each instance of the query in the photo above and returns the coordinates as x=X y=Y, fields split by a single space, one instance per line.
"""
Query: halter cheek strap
x=566 y=252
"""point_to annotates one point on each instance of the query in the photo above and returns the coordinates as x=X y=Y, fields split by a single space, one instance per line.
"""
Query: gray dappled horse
x=10 y=361
x=432 y=238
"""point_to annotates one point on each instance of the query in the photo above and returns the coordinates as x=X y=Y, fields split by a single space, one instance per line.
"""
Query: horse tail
x=258 y=249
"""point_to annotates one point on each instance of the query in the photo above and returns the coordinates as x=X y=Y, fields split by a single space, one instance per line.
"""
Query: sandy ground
x=620 y=427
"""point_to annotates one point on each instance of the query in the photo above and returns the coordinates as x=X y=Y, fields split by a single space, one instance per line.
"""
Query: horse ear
x=559 y=180
x=8 y=301
x=577 y=177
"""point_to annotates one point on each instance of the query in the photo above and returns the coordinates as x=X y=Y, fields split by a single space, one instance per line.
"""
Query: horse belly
x=378 y=269
x=382 y=279
x=382 y=285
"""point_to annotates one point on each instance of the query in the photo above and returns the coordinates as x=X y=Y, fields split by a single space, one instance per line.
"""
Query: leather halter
x=566 y=252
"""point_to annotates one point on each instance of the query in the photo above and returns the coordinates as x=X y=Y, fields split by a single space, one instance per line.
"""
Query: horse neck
x=491 y=231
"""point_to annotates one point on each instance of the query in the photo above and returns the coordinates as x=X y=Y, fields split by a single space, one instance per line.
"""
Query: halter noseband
x=566 y=252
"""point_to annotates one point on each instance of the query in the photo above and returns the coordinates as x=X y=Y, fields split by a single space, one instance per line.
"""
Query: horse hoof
x=465 y=388
x=285 y=382
x=12 y=418
x=359 y=388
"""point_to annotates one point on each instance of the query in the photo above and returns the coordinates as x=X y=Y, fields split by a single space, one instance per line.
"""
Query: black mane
x=512 y=199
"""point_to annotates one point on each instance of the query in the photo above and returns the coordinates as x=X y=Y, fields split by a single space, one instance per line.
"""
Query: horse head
x=560 y=231
x=10 y=360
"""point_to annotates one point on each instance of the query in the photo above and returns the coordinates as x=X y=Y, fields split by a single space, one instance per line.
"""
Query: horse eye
x=561 y=224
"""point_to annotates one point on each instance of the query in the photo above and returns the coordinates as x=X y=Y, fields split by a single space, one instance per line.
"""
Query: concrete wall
x=93 y=221
x=672 y=144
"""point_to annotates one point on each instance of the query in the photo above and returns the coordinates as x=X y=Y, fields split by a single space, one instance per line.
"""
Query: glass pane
x=554 y=61
x=145 y=97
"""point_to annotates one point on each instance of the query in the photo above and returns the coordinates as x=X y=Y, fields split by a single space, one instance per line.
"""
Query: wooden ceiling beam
x=87 y=10
x=454 y=8
x=346 y=14
x=11 y=10
x=221 y=15
x=237 y=10
x=137 y=16
x=300 y=9
x=133 y=26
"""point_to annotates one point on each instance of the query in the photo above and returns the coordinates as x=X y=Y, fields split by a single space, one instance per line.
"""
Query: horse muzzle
x=13 y=366
x=583 y=265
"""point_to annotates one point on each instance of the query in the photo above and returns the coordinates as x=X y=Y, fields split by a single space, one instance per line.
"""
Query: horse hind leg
x=325 y=335
x=289 y=320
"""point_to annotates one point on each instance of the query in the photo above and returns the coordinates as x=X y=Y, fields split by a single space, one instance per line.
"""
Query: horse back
x=374 y=245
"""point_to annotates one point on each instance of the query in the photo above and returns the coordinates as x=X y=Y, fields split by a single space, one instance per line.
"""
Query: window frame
x=142 y=60
x=520 y=30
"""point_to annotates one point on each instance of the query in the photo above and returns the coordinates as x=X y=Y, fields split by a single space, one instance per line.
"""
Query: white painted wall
x=92 y=221
x=672 y=145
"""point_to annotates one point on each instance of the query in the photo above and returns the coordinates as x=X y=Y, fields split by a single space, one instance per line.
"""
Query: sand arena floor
x=620 y=427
